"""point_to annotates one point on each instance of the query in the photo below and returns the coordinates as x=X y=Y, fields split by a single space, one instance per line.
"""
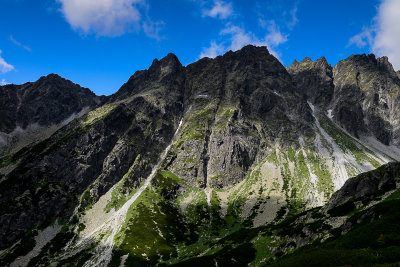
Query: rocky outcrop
x=49 y=100
x=35 y=110
x=313 y=79
x=367 y=186
x=237 y=102
x=366 y=97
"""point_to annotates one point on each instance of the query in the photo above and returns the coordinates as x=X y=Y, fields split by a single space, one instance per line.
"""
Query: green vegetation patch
x=373 y=240
x=152 y=227
x=96 y=115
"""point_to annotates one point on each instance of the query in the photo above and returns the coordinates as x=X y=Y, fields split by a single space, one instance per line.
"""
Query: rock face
x=366 y=97
x=28 y=110
x=94 y=151
x=236 y=102
x=180 y=156
x=367 y=186
x=362 y=92
x=49 y=100
x=314 y=79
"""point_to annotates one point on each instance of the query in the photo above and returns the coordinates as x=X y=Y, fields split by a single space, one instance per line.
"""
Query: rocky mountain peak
x=237 y=75
x=306 y=60
x=374 y=81
x=294 y=64
x=248 y=55
x=385 y=66
x=164 y=73
x=362 y=61
x=253 y=49
x=33 y=111
x=55 y=82
x=51 y=76
x=313 y=79
x=48 y=100
x=322 y=60
x=169 y=60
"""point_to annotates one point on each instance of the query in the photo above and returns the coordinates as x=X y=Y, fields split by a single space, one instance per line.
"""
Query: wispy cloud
x=3 y=82
x=239 y=37
x=4 y=66
x=213 y=50
x=102 y=17
x=152 y=29
x=293 y=18
x=383 y=36
x=220 y=9
x=387 y=39
x=27 y=48
x=234 y=37
x=365 y=37
x=283 y=12
x=275 y=37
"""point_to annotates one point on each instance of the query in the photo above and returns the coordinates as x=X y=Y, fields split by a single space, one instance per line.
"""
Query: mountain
x=203 y=163
x=35 y=110
x=357 y=227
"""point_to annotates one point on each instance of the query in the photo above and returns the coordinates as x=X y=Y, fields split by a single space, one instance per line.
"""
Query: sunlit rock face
x=367 y=93
x=182 y=157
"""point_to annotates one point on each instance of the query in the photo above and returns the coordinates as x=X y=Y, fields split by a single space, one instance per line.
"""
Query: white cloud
x=27 y=48
x=383 y=37
x=278 y=11
x=293 y=18
x=274 y=36
x=387 y=39
x=152 y=29
x=362 y=39
x=102 y=17
x=4 y=66
x=238 y=37
x=3 y=82
x=212 y=51
x=220 y=10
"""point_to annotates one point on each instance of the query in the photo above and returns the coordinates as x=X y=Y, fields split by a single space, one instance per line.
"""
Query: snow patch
x=330 y=115
x=201 y=96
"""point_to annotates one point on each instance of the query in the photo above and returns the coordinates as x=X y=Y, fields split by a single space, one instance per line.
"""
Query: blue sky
x=100 y=44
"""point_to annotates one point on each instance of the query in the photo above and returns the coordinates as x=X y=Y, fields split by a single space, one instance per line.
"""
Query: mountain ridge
x=222 y=144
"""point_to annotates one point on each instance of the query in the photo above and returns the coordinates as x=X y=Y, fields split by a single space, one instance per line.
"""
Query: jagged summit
x=369 y=62
x=167 y=73
x=51 y=76
x=48 y=100
x=33 y=111
x=306 y=60
x=170 y=59
x=182 y=162
x=256 y=59
x=313 y=79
